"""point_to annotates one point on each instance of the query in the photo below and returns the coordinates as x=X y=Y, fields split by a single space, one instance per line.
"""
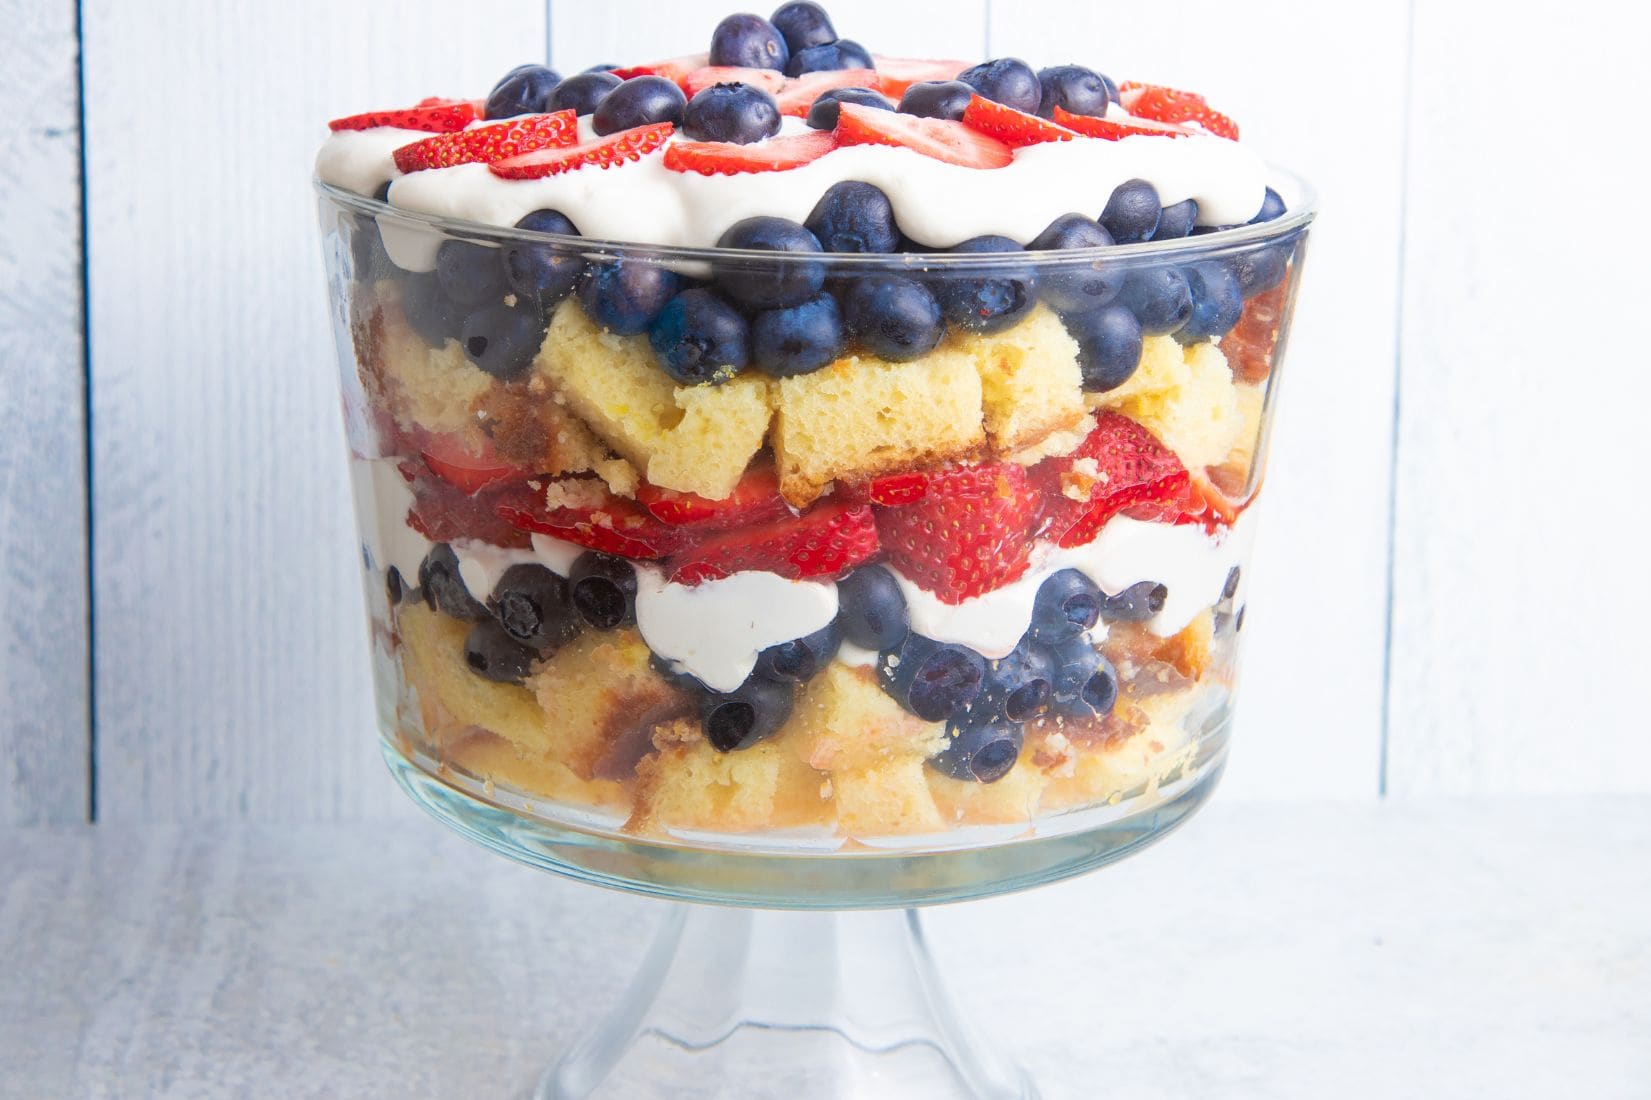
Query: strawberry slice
x=1216 y=500
x=896 y=74
x=939 y=138
x=604 y=152
x=970 y=533
x=769 y=80
x=673 y=69
x=1119 y=465
x=711 y=158
x=1015 y=129
x=447 y=456
x=756 y=499
x=911 y=486
x=612 y=525
x=438 y=116
x=799 y=93
x=828 y=539
x=1116 y=129
x=1155 y=101
x=509 y=138
x=443 y=513
x=1252 y=343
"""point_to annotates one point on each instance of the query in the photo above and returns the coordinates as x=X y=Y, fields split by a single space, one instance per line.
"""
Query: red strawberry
x=799 y=93
x=438 y=116
x=769 y=80
x=1116 y=129
x=827 y=539
x=673 y=69
x=1119 y=465
x=756 y=499
x=604 y=152
x=449 y=459
x=1251 y=344
x=488 y=143
x=971 y=533
x=1014 y=128
x=710 y=158
x=911 y=486
x=610 y=524
x=442 y=513
x=896 y=74
x=939 y=138
x=1169 y=105
x=1210 y=503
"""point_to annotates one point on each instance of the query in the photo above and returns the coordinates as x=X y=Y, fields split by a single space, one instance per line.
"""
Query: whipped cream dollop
x=382 y=501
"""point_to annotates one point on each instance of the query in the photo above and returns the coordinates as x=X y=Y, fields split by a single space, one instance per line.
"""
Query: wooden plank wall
x=230 y=662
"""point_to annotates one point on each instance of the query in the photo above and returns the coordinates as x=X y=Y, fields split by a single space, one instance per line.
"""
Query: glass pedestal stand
x=759 y=1004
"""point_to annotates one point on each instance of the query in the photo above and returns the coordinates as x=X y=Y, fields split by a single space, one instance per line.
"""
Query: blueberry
x=769 y=286
x=1109 y=345
x=979 y=753
x=801 y=659
x=1159 y=297
x=394 y=587
x=937 y=99
x=444 y=590
x=1068 y=603
x=503 y=339
x=1258 y=269
x=603 y=590
x=872 y=608
x=1135 y=604
x=1006 y=80
x=1073 y=89
x=892 y=317
x=1229 y=588
x=1133 y=212
x=431 y=313
x=542 y=273
x=993 y=301
x=1272 y=206
x=803 y=25
x=1086 y=685
x=734 y=112
x=750 y=713
x=698 y=337
x=832 y=57
x=367 y=244
x=1081 y=284
x=580 y=94
x=930 y=679
x=470 y=272
x=828 y=107
x=799 y=339
x=682 y=681
x=624 y=296
x=747 y=41
x=602 y=68
x=854 y=217
x=1205 y=230
x=533 y=606
x=492 y=653
x=640 y=101
x=1017 y=688
x=1177 y=220
x=524 y=91
x=1217 y=301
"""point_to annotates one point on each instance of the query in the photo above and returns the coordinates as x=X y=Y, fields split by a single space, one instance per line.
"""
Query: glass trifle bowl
x=785 y=578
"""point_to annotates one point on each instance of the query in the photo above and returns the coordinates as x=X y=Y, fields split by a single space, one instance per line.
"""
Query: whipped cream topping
x=481 y=564
x=363 y=160
x=382 y=501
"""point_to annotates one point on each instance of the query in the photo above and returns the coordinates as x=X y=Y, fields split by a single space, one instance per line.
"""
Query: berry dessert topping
x=612 y=525
x=969 y=534
x=749 y=40
x=1116 y=129
x=822 y=110
x=711 y=158
x=803 y=24
x=896 y=74
x=639 y=101
x=438 y=116
x=737 y=113
x=827 y=539
x=952 y=142
x=674 y=69
x=524 y=90
x=697 y=81
x=1118 y=465
x=580 y=94
x=1163 y=104
x=756 y=499
x=1074 y=89
x=604 y=152
x=948 y=99
x=831 y=57
x=1015 y=129
x=485 y=144
x=1006 y=80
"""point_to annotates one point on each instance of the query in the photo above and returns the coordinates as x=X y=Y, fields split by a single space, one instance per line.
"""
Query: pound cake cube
x=886 y=798
x=843 y=719
x=436 y=389
x=687 y=784
x=696 y=439
x=493 y=759
x=1012 y=799
x=1030 y=382
x=861 y=416
x=602 y=696
x=1184 y=396
x=454 y=700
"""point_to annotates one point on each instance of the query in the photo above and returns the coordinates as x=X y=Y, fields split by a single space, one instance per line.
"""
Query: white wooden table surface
x=1489 y=948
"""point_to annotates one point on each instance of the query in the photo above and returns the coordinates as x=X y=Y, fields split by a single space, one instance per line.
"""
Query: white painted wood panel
x=45 y=635
x=231 y=656
x=1522 y=590
x=1309 y=720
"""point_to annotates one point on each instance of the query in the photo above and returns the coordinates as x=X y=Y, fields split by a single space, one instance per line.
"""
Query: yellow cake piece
x=495 y=760
x=1012 y=799
x=690 y=785
x=1095 y=773
x=696 y=439
x=599 y=691
x=1184 y=396
x=1240 y=460
x=1030 y=382
x=885 y=798
x=454 y=700
x=843 y=719
x=436 y=389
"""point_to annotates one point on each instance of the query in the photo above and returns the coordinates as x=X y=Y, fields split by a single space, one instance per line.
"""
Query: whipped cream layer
x=936 y=203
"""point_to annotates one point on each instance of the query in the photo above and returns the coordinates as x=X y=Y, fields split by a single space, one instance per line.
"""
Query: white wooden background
x=1450 y=593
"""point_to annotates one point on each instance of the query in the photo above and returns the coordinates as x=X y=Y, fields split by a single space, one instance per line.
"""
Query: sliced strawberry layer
x=673 y=69
x=769 y=80
x=1210 y=502
x=1172 y=105
x=613 y=525
x=911 y=486
x=944 y=140
x=447 y=456
x=438 y=116
x=1251 y=344
x=896 y=74
x=606 y=152
x=971 y=533
x=444 y=513
x=1119 y=465
x=484 y=144
x=712 y=158
x=1016 y=129
x=1116 y=129
x=799 y=93
x=756 y=499
x=826 y=540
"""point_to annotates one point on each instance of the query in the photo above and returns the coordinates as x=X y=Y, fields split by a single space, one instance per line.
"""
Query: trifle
x=791 y=442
